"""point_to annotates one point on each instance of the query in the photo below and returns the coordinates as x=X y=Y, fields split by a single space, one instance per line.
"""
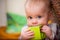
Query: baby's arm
x=26 y=34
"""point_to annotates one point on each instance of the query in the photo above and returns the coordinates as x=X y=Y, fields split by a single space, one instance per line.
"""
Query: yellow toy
x=38 y=35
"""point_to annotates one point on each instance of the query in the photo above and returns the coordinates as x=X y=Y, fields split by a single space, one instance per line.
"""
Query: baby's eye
x=30 y=17
x=38 y=16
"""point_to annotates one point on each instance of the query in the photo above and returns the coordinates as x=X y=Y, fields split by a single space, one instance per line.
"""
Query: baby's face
x=36 y=16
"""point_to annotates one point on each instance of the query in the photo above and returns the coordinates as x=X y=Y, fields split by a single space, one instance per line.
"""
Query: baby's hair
x=37 y=3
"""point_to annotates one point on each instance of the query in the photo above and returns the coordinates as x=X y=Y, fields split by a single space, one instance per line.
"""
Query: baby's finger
x=27 y=30
x=29 y=36
x=42 y=30
x=30 y=33
x=44 y=27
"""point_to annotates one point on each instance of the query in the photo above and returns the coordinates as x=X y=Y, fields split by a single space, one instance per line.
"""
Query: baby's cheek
x=29 y=23
x=43 y=22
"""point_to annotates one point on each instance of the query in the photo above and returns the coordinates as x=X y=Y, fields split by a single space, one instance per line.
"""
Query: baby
x=37 y=13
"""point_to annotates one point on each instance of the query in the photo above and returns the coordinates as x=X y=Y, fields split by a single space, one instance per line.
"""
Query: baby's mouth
x=34 y=25
x=37 y=25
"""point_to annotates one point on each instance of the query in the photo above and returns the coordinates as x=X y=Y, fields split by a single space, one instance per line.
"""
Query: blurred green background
x=15 y=23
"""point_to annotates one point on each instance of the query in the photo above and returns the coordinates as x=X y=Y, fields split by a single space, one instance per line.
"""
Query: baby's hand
x=26 y=34
x=47 y=31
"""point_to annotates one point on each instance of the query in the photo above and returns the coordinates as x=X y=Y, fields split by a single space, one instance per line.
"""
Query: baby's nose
x=34 y=22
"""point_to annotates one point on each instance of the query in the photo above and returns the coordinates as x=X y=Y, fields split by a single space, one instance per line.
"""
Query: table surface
x=5 y=35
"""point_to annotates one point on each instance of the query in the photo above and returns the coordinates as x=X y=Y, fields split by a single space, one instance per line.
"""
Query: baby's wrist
x=23 y=38
x=52 y=36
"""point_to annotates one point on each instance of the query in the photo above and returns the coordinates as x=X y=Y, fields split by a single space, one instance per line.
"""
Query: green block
x=38 y=35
